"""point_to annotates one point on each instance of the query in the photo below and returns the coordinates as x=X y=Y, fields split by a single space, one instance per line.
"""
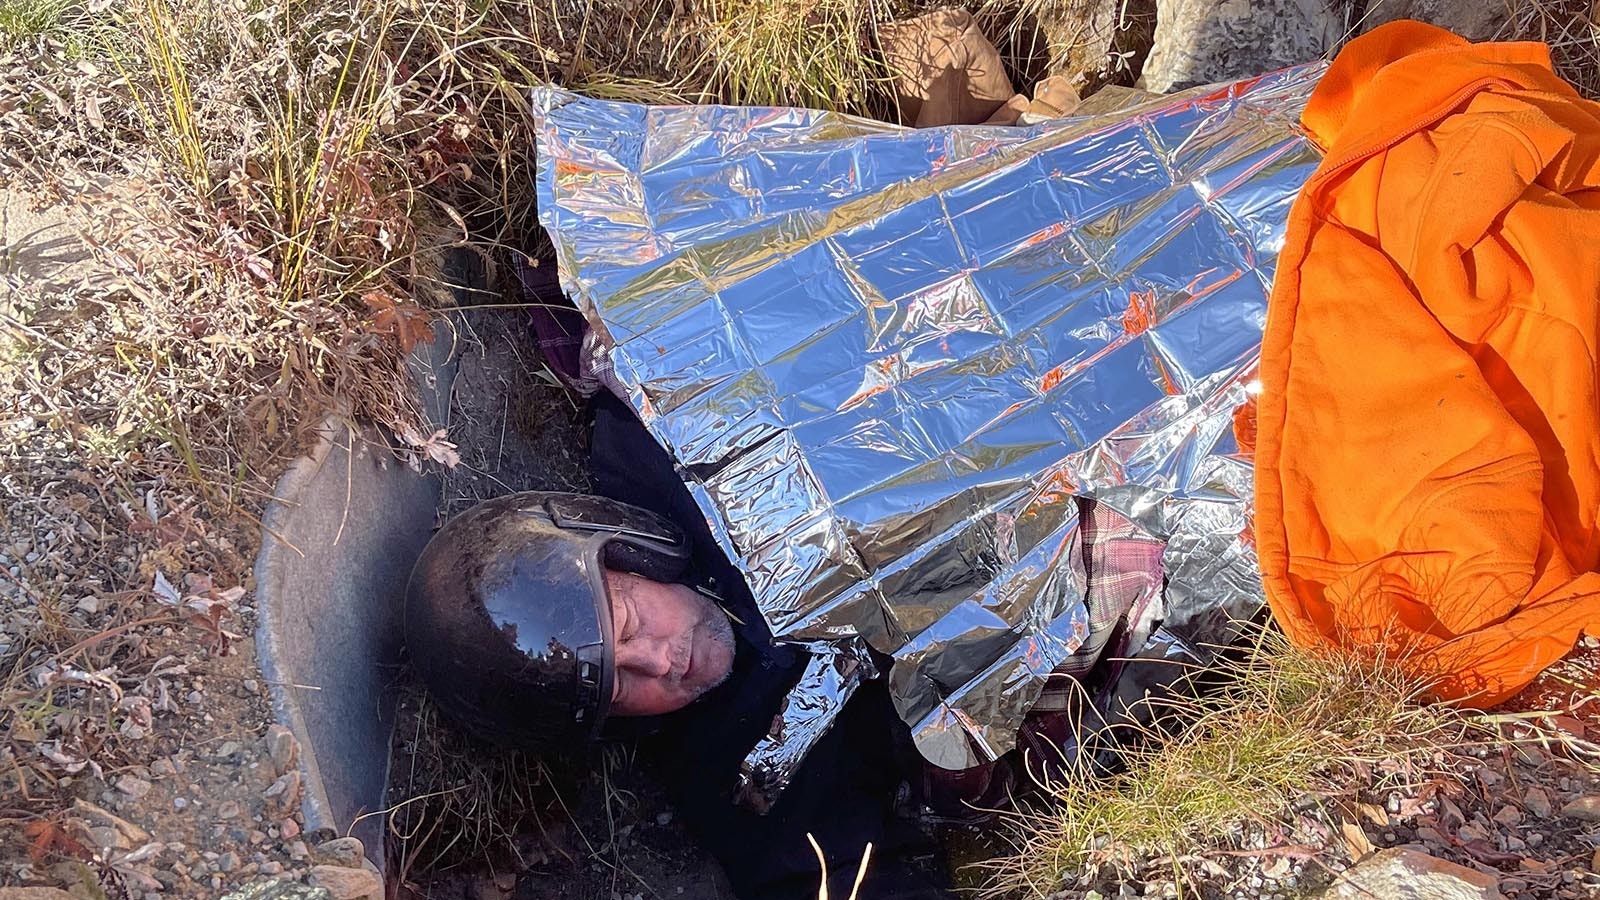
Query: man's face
x=672 y=645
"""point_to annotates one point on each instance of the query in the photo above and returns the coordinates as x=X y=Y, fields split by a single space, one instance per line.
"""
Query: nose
x=645 y=657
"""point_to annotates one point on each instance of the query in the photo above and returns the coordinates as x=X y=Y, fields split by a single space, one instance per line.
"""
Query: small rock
x=284 y=793
x=134 y=787
x=107 y=838
x=34 y=893
x=1584 y=809
x=227 y=749
x=228 y=810
x=1508 y=815
x=163 y=767
x=257 y=837
x=345 y=851
x=1409 y=875
x=298 y=851
x=179 y=803
x=129 y=835
x=1535 y=839
x=345 y=883
x=1538 y=803
x=1513 y=885
x=227 y=862
x=271 y=867
x=1432 y=835
x=289 y=828
x=278 y=889
x=282 y=748
x=664 y=818
x=251 y=686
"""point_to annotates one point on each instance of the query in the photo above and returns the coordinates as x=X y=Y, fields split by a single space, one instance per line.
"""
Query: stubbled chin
x=716 y=653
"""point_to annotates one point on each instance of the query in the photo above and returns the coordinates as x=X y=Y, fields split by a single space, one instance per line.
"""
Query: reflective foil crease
x=832 y=674
x=889 y=361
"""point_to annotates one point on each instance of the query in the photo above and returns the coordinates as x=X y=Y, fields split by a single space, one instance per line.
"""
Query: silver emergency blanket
x=888 y=361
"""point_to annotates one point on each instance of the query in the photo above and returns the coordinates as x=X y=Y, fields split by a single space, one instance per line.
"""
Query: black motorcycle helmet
x=507 y=618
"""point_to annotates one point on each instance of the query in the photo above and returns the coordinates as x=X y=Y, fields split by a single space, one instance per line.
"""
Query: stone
x=133 y=786
x=1408 y=875
x=228 y=862
x=1584 y=809
x=345 y=851
x=345 y=883
x=128 y=835
x=283 y=795
x=289 y=828
x=229 y=809
x=1476 y=20
x=1537 y=802
x=271 y=867
x=227 y=749
x=282 y=748
x=279 y=889
x=298 y=851
x=34 y=893
x=1204 y=41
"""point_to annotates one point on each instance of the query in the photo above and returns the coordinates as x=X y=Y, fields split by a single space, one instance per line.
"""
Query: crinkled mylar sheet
x=887 y=361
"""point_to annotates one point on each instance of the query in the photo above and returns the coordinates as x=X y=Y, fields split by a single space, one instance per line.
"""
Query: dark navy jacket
x=845 y=793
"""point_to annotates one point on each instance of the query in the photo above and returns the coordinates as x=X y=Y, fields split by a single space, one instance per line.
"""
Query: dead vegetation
x=1571 y=28
x=1295 y=756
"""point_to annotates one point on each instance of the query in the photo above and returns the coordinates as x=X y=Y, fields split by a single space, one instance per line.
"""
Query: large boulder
x=1202 y=41
x=1477 y=20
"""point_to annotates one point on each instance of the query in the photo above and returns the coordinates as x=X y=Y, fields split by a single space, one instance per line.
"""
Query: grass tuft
x=818 y=54
x=1284 y=724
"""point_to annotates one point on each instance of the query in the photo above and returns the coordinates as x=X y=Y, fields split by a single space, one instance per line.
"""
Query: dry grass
x=818 y=53
x=1572 y=30
x=462 y=803
x=262 y=188
x=1285 y=724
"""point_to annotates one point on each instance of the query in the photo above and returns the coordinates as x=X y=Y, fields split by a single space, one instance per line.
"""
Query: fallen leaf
x=1374 y=812
x=1356 y=842
x=91 y=109
x=164 y=590
x=409 y=323
x=1529 y=864
x=1485 y=852
x=47 y=839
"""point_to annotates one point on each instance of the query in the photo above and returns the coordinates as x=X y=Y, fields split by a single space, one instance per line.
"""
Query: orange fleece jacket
x=1428 y=456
